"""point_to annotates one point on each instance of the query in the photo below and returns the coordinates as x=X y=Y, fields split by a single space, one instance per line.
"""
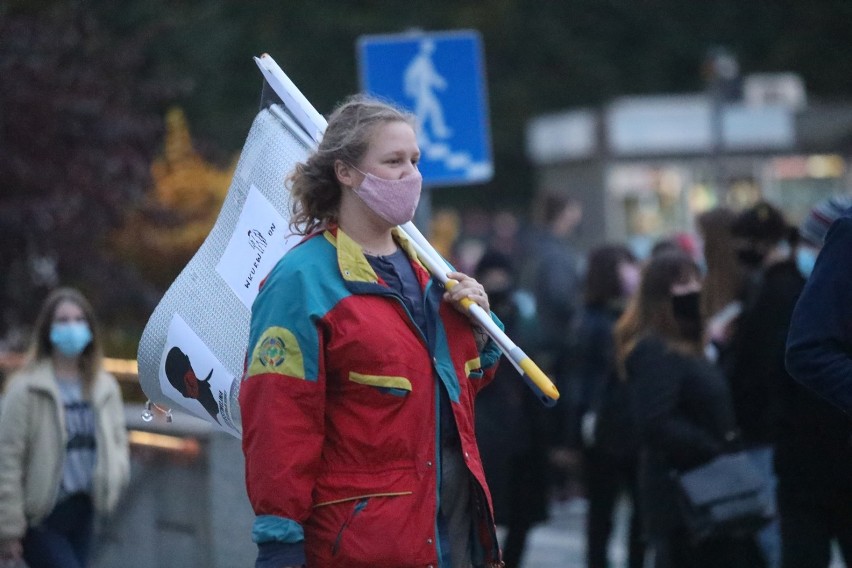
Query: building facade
x=645 y=166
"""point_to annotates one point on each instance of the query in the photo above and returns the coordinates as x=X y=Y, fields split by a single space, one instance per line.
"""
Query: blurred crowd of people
x=663 y=362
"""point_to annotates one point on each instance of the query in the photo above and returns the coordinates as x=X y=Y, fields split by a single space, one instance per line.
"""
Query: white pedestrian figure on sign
x=421 y=80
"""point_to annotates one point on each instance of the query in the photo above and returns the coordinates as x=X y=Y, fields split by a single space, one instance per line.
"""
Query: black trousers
x=811 y=518
x=674 y=550
x=606 y=478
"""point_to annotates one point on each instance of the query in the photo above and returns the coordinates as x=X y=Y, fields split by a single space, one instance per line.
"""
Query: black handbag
x=728 y=496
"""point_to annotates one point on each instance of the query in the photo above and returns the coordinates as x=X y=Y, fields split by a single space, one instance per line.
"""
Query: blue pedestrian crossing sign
x=440 y=77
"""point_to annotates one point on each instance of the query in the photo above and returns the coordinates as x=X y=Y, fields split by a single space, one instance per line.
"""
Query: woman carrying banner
x=357 y=403
x=63 y=440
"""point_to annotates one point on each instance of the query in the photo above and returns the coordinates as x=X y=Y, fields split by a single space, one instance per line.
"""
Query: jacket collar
x=353 y=265
x=41 y=378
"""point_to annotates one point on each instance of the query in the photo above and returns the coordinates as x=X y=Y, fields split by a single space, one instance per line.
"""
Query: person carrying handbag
x=684 y=411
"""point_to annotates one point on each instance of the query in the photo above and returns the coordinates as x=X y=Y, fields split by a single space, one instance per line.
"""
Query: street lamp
x=721 y=73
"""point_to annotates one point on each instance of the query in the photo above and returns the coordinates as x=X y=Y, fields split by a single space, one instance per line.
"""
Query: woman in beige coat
x=63 y=440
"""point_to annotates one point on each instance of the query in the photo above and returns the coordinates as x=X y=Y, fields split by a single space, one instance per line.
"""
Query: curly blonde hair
x=313 y=183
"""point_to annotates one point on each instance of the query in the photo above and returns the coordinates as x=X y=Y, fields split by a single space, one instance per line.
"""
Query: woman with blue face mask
x=63 y=442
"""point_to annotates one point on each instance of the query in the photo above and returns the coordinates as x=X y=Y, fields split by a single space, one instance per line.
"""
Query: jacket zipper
x=401 y=302
x=425 y=339
x=395 y=296
x=359 y=506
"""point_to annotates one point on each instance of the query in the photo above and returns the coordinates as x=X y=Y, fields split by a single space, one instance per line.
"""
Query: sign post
x=440 y=77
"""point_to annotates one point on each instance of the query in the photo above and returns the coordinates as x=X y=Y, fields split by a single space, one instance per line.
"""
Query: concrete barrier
x=186 y=505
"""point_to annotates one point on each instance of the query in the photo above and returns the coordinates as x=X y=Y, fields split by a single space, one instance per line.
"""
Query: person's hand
x=11 y=551
x=722 y=326
x=467 y=287
x=587 y=428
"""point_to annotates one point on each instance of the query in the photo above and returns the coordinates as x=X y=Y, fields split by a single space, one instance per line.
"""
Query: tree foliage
x=79 y=124
x=86 y=84
x=161 y=235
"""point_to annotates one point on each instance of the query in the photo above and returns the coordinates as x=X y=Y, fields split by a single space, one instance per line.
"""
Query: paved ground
x=560 y=543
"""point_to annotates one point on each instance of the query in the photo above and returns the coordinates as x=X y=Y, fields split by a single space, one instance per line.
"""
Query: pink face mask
x=394 y=200
x=630 y=275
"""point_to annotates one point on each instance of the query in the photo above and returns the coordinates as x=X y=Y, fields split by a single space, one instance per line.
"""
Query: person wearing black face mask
x=686 y=307
x=751 y=256
x=684 y=412
x=507 y=419
x=755 y=364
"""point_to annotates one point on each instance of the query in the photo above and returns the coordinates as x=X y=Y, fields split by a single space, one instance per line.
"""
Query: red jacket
x=339 y=410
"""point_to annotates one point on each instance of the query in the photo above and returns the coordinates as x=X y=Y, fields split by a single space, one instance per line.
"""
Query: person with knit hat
x=813 y=454
x=819 y=347
x=813 y=229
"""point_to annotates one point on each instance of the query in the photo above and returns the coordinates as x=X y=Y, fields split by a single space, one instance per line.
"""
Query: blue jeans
x=63 y=539
x=769 y=537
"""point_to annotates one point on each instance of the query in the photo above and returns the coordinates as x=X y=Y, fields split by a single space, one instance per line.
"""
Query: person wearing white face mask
x=63 y=441
x=820 y=341
x=361 y=370
x=814 y=227
x=814 y=455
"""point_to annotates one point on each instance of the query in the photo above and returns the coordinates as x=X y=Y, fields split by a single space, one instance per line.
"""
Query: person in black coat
x=763 y=243
x=597 y=417
x=813 y=455
x=766 y=246
x=683 y=406
x=819 y=348
x=511 y=422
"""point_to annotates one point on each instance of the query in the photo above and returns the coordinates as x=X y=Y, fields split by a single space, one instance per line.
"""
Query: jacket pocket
x=359 y=506
x=383 y=530
x=473 y=368
x=387 y=384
